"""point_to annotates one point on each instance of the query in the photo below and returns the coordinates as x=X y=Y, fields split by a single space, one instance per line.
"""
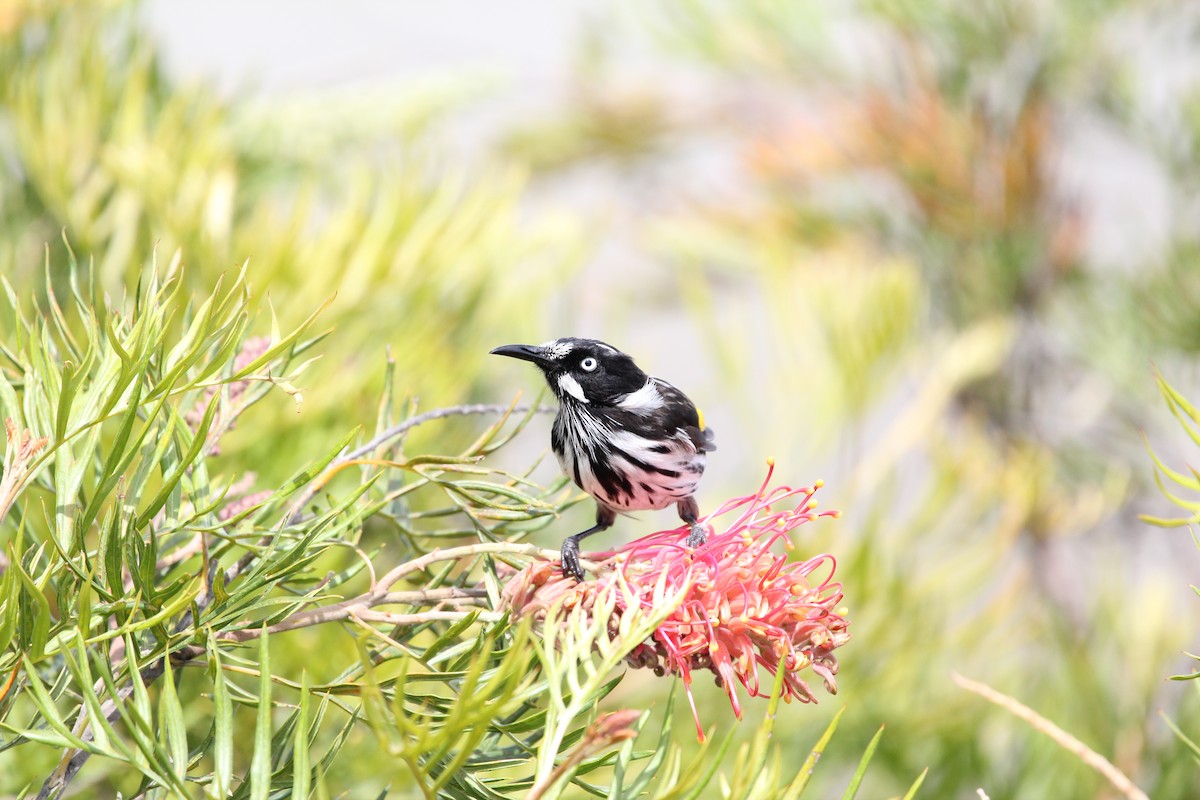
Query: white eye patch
x=589 y=364
x=569 y=385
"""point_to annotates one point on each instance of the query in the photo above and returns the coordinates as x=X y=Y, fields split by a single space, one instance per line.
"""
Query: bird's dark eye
x=588 y=364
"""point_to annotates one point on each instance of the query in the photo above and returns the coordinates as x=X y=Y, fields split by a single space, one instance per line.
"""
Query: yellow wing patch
x=700 y=417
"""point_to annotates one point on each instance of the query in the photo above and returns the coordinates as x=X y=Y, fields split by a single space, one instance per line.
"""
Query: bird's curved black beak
x=525 y=352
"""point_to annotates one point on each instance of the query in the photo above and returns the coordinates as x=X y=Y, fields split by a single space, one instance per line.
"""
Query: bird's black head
x=581 y=370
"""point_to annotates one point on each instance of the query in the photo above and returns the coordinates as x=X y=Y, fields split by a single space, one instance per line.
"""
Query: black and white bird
x=632 y=441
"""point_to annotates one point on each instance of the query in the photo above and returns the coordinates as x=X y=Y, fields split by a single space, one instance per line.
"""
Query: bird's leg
x=689 y=512
x=570 y=546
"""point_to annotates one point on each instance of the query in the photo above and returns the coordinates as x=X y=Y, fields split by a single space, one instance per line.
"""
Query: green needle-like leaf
x=861 y=771
x=171 y=721
x=301 y=763
x=916 y=785
x=260 y=762
x=222 y=722
x=796 y=787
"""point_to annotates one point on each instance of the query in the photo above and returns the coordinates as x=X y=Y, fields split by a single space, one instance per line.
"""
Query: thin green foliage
x=142 y=551
x=160 y=562
x=163 y=566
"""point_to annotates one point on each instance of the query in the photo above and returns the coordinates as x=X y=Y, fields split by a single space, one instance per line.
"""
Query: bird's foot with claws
x=570 y=559
x=697 y=537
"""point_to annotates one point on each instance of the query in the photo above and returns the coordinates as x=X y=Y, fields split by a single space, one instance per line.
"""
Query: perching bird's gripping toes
x=632 y=441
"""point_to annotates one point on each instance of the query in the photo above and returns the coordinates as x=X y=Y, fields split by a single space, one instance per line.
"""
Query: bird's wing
x=680 y=413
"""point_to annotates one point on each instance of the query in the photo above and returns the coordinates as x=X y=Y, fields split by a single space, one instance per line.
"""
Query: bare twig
x=360 y=606
x=1060 y=737
x=451 y=595
x=379 y=595
x=399 y=430
x=455 y=553
x=424 y=616
x=438 y=413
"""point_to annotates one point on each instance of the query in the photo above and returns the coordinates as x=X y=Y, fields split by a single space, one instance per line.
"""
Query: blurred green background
x=929 y=251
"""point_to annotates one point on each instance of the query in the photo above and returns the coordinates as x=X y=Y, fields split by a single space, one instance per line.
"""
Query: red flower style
x=743 y=606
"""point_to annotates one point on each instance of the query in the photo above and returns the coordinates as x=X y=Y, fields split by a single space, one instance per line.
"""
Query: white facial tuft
x=645 y=400
x=570 y=386
x=557 y=349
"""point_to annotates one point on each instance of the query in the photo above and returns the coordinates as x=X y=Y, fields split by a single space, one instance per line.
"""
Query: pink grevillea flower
x=744 y=605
